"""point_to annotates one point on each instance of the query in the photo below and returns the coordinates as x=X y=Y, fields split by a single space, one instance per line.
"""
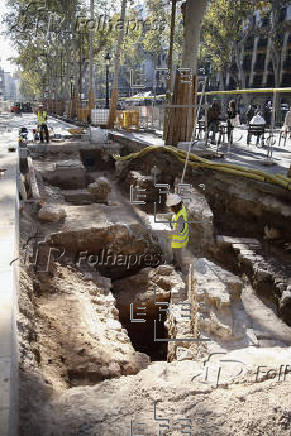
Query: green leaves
x=222 y=27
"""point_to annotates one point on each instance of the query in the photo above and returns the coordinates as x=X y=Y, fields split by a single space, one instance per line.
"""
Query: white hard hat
x=173 y=199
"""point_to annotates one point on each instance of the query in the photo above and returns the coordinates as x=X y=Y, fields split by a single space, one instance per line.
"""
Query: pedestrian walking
x=232 y=120
x=287 y=124
x=268 y=114
x=213 y=115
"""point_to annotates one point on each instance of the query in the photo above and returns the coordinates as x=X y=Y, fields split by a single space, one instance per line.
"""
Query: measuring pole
x=91 y=34
x=195 y=123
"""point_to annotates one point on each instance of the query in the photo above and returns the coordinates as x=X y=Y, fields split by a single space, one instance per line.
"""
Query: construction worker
x=42 y=124
x=179 y=235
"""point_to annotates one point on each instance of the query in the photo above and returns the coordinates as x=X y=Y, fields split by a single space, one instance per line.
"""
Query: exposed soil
x=86 y=369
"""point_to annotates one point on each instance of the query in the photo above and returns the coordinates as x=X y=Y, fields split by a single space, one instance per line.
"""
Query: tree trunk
x=241 y=72
x=276 y=51
x=114 y=95
x=181 y=119
x=169 y=65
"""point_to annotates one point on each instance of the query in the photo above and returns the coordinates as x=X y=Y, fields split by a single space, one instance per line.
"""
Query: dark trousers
x=43 y=128
x=230 y=128
x=212 y=127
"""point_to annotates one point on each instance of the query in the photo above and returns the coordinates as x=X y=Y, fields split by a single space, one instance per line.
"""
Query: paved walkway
x=8 y=252
x=239 y=153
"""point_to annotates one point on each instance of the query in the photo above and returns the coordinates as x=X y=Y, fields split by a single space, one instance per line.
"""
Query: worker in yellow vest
x=42 y=124
x=179 y=234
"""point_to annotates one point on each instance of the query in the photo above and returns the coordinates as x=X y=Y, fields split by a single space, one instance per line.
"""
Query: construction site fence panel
x=99 y=117
x=147 y=117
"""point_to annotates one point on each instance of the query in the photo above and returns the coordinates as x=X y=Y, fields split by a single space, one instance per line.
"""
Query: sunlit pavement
x=251 y=156
x=239 y=153
x=10 y=124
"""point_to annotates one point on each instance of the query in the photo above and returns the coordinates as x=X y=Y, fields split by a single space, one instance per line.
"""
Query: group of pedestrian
x=254 y=116
x=213 y=119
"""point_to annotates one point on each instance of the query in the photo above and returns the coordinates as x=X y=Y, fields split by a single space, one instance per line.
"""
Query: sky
x=6 y=48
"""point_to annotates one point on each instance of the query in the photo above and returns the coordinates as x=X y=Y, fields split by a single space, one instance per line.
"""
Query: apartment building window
x=271 y=80
x=263 y=42
x=286 y=79
x=260 y=64
x=247 y=64
x=257 y=80
x=249 y=44
x=283 y=14
x=265 y=21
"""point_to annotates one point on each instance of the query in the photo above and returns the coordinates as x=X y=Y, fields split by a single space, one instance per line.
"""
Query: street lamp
x=107 y=63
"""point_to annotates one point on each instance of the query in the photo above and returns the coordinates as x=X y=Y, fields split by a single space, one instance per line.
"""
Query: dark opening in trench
x=97 y=159
x=149 y=337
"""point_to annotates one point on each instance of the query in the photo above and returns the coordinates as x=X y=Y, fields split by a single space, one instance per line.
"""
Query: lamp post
x=107 y=63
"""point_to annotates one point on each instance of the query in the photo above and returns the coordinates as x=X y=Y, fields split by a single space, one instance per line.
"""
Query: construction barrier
x=77 y=131
x=84 y=114
x=99 y=117
x=127 y=119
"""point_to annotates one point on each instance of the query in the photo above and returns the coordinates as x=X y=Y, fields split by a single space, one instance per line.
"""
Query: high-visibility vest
x=42 y=118
x=180 y=240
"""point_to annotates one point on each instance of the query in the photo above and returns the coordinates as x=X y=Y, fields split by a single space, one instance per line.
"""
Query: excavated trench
x=81 y=270
x=87 y=311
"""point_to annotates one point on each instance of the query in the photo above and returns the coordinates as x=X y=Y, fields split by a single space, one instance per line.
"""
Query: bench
x=257 y=130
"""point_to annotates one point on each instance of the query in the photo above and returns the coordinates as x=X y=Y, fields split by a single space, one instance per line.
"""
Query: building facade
x=257 y=62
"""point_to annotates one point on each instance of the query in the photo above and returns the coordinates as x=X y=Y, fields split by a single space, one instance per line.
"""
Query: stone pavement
x=8 y=303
